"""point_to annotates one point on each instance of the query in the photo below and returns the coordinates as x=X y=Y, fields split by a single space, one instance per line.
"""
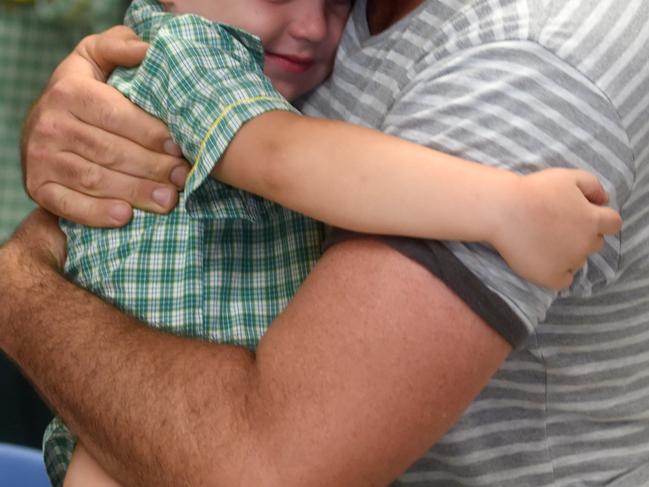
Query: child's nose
x=311 y=25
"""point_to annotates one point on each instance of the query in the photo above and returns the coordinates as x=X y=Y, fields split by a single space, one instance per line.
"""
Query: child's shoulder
x=150 y=21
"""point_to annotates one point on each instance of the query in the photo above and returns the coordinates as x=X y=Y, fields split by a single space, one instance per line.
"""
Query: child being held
x=225 y=262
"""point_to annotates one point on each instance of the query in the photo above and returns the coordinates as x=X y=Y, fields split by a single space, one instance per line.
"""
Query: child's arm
x=544 y=225
x=208 y=86
x=84 y=471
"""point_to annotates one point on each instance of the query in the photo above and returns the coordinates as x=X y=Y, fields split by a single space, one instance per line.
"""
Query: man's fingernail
x=179 y=175
x=172 y=148
x=120 y=213
x=137 y=42
x=163 y=196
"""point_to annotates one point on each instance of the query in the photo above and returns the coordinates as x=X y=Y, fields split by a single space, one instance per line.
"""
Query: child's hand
x=554 y=222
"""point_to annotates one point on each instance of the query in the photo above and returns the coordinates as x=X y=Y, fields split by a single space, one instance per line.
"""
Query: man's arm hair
x=368 y=366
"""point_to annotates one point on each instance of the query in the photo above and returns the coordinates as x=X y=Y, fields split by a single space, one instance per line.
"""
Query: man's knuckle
x=45 y=129
x=32 y=186
x=134 y=192
x=35 y=153
x=160 y=171
x=36 y=168
x=66 y=168
x=107 y=115
x=90 y=148
x=90 y=178
x=76 y=140
x=63 y=205
x=61 y=93
x=109 y=160
x=156 y=134
x=108 y=155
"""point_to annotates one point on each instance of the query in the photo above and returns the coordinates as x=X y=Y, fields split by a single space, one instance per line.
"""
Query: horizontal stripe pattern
x=525 y=85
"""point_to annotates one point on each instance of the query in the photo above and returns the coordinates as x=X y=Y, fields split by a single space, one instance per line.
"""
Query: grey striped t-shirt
x=529 y=84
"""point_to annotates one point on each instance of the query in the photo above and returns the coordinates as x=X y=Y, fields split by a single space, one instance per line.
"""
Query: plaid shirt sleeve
x=205 y=80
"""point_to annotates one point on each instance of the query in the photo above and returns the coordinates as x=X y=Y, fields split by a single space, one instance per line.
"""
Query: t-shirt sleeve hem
x=440 y=261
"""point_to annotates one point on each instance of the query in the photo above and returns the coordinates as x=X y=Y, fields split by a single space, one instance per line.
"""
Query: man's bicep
x=370 y=364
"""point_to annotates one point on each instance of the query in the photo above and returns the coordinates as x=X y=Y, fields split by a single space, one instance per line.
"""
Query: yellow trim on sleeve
x=220 y=118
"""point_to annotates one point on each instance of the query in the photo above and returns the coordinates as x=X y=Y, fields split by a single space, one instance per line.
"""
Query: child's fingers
x=610 y=221
x=564 y=281
x=596 y=245
x=591 y=188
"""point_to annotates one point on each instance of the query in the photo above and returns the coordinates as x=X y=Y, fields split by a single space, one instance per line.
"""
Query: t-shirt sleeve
x=205 y=81
x=516 y=105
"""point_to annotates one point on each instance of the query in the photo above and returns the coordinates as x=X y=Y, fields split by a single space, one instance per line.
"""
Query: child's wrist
x=507 y=198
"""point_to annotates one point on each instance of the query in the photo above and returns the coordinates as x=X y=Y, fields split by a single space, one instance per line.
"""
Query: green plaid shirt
x=224 y=263
x=33 y=40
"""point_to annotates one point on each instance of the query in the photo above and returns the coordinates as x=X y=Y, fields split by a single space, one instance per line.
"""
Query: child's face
x=300 y=37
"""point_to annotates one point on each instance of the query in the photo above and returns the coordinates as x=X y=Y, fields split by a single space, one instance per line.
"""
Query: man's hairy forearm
x=371 y=362
x=80 y=365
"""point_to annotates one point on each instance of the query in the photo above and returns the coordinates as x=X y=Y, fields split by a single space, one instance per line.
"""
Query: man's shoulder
x=604 y=41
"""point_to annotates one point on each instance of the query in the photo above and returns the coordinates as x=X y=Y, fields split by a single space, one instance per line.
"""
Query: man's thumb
x=118 y=46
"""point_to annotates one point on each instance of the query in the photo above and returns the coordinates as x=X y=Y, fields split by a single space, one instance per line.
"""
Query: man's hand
x=89 y=154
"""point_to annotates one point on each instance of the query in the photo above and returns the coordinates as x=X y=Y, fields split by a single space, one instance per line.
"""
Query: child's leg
x=84 y=471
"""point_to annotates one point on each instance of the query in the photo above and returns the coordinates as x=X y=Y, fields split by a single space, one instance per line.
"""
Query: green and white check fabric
x=224 y=263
